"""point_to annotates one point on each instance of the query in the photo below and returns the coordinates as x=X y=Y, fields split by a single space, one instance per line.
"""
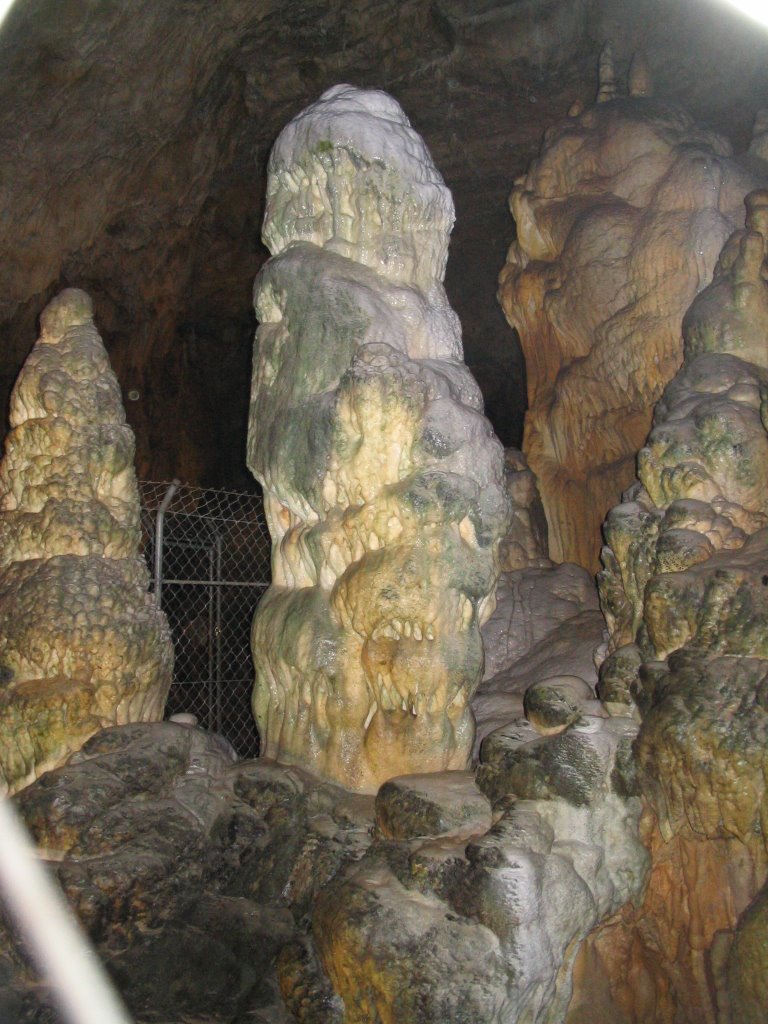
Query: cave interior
x=513 y=694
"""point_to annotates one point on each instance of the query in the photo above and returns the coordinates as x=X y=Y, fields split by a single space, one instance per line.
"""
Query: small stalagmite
x=383 y=481
x=82 y=643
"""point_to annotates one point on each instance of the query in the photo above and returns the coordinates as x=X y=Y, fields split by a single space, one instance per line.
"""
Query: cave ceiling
x=135 y=135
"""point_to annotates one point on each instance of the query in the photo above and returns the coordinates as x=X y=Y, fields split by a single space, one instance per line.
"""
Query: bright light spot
x=5 y=6
x=756 y=9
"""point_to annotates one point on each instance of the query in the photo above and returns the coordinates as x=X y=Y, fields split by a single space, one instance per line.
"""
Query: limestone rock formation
x=186 y=867
x=619 y=224
x=459 y=921
x=172 y=851
x=525 y=544
x=383 y=482
x=547 y=625
x=82 y=643
x=444 y=928
x=453 y=896
x=172 y=108
x=685 y=591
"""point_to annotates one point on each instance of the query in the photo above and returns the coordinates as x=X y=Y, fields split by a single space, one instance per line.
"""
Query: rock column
x=383 y=482
x=82 y=642
x=619 y=222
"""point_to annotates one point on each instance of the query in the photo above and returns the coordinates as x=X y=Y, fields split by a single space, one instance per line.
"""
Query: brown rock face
x=525 y=544
x=661 y=961
x=685 y=592
x=619 y=224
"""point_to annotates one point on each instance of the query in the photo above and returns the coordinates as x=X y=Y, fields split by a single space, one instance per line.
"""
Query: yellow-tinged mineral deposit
x=619 y=224
x=685 y=592
x=384 y=484
x=82 y=643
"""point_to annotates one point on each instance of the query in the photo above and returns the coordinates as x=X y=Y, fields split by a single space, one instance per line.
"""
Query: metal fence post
x=173 y=486
x=217 y=634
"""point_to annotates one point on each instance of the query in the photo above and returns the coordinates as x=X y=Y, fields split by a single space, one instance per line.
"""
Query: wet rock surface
x=383 y=482
x=684 y=589
x=218 y=890
x=83 y=644
x=431 y=805
x=189 y=870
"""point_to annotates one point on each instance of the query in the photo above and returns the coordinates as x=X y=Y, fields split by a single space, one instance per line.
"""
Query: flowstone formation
x=383 y=482
x=619 y=224
x=525 y=544
x=685 y=592
x=82 y=643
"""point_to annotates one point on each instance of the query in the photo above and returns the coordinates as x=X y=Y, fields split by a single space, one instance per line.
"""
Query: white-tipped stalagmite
x=606 y=78
x=383 y=482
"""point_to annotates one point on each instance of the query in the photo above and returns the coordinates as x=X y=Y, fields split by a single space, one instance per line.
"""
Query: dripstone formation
x=82 y=643
x=599 y=855
x=383 y=482
x=619 y=224
x=685 y=593
x=460 y=892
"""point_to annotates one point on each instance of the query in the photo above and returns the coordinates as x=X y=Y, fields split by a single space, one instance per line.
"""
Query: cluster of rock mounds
x=467 y=891
x=448 y=897
x=175 y=857
x=82 y=642
x=685 y=592
x=519 y=889
x=620 y=222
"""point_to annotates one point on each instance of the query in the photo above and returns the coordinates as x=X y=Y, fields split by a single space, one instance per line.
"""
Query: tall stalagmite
x=619 y=224
x=384 y=484
x=82 y=643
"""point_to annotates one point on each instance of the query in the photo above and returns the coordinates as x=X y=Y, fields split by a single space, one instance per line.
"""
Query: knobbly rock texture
x=692 y=537
x=82 y=643
x=218 y=891
x=619 y=224
x=431 y=805
x=685 y=590
x=189 y=870
x=384 y=488
x=432 y=925
x=444 y=929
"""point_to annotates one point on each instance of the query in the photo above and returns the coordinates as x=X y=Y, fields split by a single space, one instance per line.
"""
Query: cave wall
x=134 y=150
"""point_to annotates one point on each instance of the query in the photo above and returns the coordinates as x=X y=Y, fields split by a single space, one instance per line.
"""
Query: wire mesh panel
x=209 y=555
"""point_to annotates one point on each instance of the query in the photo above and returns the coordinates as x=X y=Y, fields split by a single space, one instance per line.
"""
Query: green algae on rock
x=383 y=482
x=82 y=643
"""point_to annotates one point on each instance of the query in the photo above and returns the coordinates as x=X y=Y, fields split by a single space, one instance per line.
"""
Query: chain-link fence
x=209 y=556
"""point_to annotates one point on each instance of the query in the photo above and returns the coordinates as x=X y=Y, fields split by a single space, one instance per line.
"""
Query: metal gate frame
x=209 y=553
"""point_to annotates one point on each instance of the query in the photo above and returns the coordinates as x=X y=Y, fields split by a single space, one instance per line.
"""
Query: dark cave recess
x=135 y=144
